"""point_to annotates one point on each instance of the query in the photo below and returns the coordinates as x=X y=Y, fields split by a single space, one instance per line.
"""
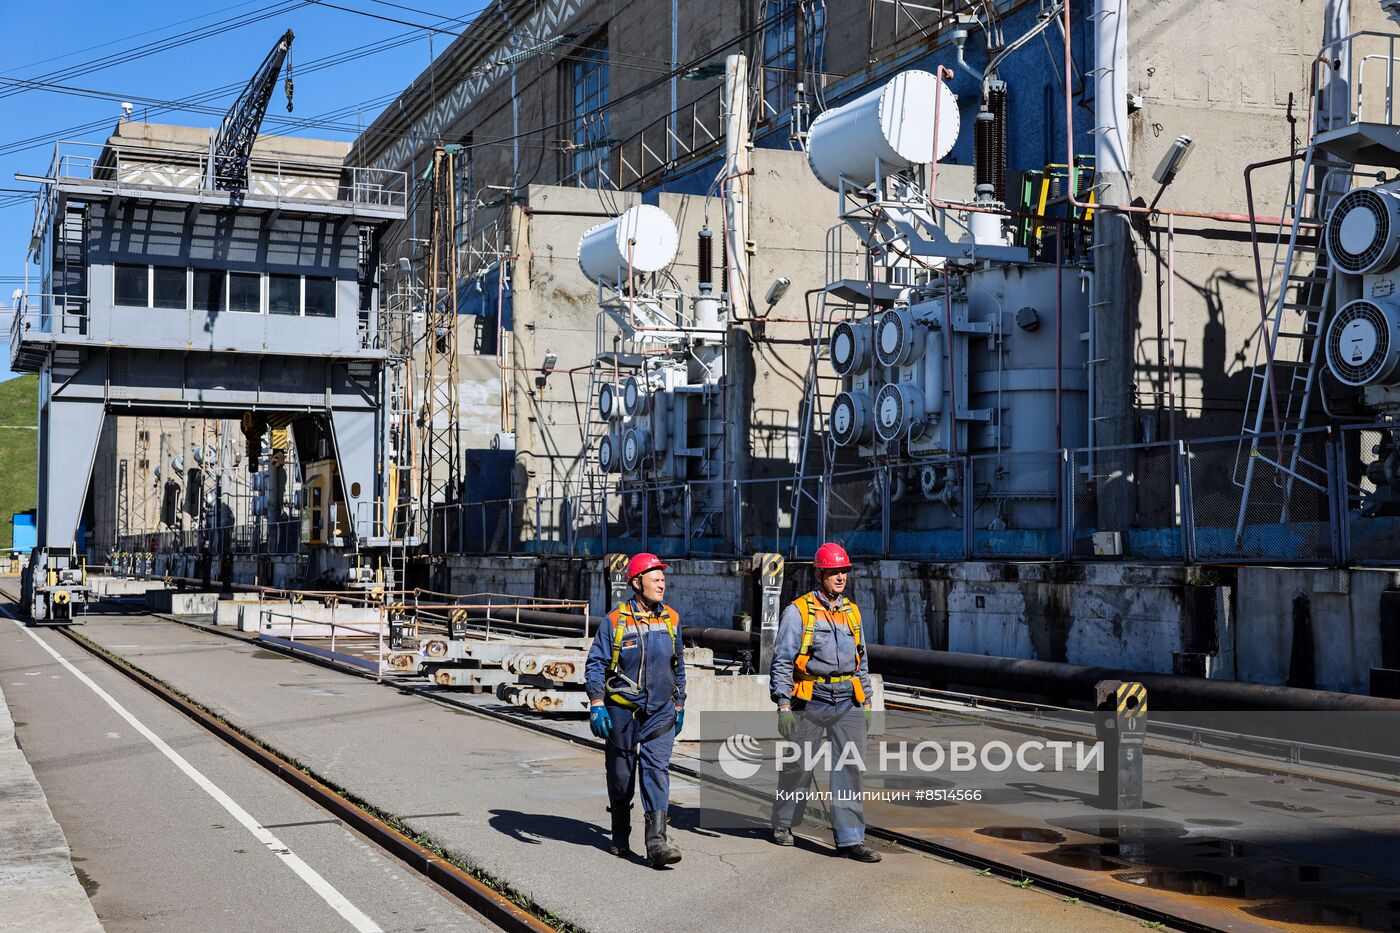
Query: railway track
x=1015 y=864
x=487 y=897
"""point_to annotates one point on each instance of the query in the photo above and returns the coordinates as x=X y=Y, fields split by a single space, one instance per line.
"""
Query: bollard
x=615 y=566
x=767 y=604
x=397 y=623
x=1120 y=721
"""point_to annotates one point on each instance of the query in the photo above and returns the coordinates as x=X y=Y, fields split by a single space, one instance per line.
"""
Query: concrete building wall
x=1238 y=85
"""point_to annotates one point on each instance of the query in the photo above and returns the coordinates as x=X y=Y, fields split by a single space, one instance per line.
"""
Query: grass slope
x=19 y=449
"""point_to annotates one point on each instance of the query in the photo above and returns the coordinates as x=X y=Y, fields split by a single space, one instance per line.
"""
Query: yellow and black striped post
x=457 y=624
x=767 y=602
x=1120 y=721
x=615 y=566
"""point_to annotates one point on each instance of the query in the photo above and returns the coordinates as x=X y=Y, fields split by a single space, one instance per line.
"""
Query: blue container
x=24 y=532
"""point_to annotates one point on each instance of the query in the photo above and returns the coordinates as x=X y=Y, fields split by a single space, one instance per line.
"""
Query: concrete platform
x=204 y=840
x=530 y=809
x=182 y=603
x=39 y=891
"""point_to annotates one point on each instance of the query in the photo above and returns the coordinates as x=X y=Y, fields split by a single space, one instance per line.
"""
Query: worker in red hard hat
x=821 y=683
x=635 y=677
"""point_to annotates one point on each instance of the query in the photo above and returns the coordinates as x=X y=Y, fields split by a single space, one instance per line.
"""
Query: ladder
x=1281 y=389
x=821 y=384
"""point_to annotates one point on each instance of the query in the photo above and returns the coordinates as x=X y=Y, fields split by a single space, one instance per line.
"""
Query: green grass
x=19 y=449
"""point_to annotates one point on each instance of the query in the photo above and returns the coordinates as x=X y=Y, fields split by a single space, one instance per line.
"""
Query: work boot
x=621 y=833
x=782 y=835
x=860 y=852
x=660 y=852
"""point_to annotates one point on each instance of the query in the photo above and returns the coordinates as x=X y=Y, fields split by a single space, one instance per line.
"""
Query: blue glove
x=680 y=720
x=599 y=721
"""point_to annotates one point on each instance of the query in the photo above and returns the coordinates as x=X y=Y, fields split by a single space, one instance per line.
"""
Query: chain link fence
x=1280 y=510
x=1318 y=497
x=1150 y=479
x=1371 y=493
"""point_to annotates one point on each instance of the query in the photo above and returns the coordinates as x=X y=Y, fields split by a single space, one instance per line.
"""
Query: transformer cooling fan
x=850 y=419
x=850 y=348
x=1362 y=231
x=898 y=341
x=898 y=407
x=1361 y=344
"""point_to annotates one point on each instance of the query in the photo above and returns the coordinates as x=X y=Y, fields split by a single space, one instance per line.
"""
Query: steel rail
x=476 y=894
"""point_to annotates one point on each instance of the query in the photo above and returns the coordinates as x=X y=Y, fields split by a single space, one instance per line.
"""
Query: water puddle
x=1377 y=916
x=1083 y=857
x=1285 y=806
x=1189 y=881
x=1120 y=826
x=1022 y=834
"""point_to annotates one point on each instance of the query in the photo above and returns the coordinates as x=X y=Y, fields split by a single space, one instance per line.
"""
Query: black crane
x=234 y=145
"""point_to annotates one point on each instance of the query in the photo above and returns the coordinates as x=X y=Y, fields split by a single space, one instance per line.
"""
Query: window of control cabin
x=209 y=290
x=169 y=287
x=131 y=285
x=245 y=292
x=320 y=296
x=283 y=293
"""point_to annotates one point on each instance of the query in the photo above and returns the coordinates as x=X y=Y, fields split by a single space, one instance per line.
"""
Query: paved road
x=172 y=830
x=530 y=809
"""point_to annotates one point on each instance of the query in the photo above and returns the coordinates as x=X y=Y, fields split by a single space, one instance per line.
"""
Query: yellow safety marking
x=459 y=616
x=1132 y=699
x=774 y=567
x=618 y=563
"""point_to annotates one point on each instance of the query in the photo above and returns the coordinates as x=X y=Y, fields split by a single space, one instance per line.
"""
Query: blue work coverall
x=645 y=735
x=832 y=714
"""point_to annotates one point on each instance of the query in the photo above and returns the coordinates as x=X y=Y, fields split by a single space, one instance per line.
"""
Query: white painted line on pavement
x=305 y=872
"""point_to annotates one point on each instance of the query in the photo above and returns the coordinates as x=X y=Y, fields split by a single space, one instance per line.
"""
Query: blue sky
x=51 y=37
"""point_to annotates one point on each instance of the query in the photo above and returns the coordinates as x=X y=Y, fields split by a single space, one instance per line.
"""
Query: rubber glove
x=786 y=722
x=680 y=719
x=599 y=721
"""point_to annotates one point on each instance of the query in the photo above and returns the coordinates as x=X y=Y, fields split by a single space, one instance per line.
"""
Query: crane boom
x=233 y=146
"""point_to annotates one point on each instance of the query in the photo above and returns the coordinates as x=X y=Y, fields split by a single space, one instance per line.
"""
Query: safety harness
x=623 y=690
x=811 y=610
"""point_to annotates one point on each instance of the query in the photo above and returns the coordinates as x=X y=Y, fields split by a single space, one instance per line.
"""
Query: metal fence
x=1322 y=497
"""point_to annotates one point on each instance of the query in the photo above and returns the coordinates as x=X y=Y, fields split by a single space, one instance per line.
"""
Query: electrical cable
x=163 y=45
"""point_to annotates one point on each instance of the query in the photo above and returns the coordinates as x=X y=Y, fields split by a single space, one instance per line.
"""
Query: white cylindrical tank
x=892 y=125
x=647 y=232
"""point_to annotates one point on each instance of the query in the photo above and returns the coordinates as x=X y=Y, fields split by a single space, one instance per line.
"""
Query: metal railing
x=298 y=179
x=1169 y=502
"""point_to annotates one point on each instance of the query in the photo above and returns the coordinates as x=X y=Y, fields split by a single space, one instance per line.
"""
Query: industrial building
x=1060 y=338
x=1023 y=300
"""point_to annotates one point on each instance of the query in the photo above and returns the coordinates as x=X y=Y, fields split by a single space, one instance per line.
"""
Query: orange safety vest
x=626 y=617
x=812 y=609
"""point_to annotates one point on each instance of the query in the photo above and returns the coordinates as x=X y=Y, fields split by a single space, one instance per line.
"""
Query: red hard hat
x=832 y=556
x=642 y=563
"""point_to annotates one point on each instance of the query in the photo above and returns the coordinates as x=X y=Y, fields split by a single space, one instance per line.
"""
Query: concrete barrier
x=230 y=611
x=178 y=603
x=724 y=705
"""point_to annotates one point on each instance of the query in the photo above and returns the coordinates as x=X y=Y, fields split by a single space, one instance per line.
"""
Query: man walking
x=821 y=683
x=635 y=677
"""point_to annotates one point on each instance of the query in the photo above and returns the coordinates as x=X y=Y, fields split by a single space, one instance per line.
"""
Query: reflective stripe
x=625 y=617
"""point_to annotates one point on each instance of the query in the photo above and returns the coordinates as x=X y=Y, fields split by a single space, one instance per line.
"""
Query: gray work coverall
x=832 y=715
